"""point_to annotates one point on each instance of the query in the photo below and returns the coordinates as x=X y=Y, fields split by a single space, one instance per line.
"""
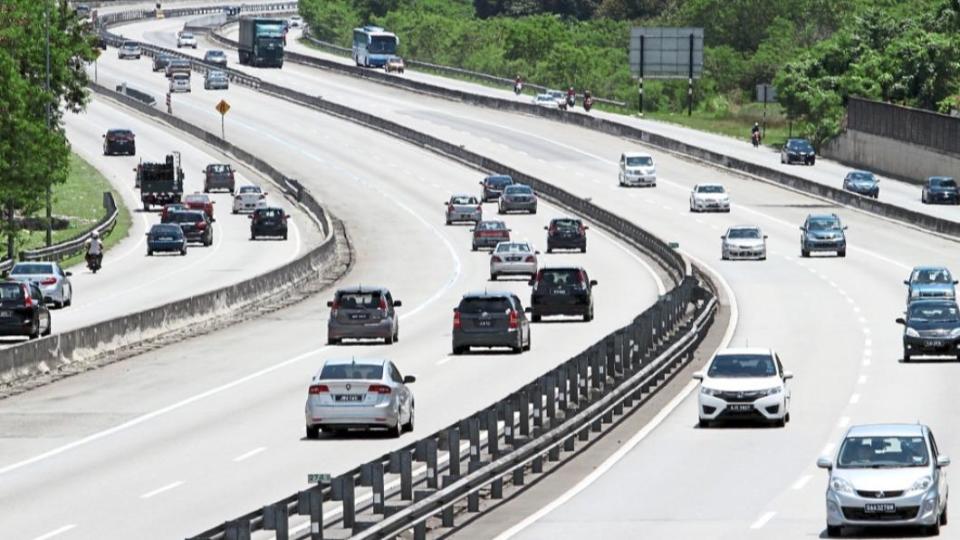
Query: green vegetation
x=816 y=52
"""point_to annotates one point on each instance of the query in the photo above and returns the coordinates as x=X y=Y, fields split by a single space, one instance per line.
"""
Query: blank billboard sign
x=666 y=52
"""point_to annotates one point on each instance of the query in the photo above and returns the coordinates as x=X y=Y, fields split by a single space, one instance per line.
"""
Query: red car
x=200 y=201
x=172 y=207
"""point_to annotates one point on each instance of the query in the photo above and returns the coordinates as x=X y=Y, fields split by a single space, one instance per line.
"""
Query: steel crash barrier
x=62 y=250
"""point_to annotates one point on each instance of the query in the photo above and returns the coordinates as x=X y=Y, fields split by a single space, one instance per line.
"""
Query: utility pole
x=46 y=21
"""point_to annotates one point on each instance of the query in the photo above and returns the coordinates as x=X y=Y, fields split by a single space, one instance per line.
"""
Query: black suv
x=798 y=151
x=195 y=224
x=218 y=176
x=493 y=186
x=562 y=291
x=931 y=327
x=268 y=222
x=490 y=319
x=566 y=233
x=22 y=311
x=823 y=232
x=940 y=189
x=119 y=141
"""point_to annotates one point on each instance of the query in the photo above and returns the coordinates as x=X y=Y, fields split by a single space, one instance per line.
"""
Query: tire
x=535 y=317
x=724 y=257
x=500 y=210
x=333 y=341
x=49 y=329
x=459 y=350
x=842 y=253
x=906 y=357
x=943 y=515
x=933 y=530
x=388 y=340
x=69 y=301
x=549 y=250
x=253 y=236
x=529 y=343
x=804 y=252
x=183 y=251
x=149 y=252
x=284 y=236
x=313 y=432
x=588 y=316
x=396 y=431
x=703 y=424
x=518 y=348
x=583 y=249
x=780 y=423
x=834 y=531
x=473 y=247
x=146 y=207
x=410 y=421
x=493 y=277
x=35 y=332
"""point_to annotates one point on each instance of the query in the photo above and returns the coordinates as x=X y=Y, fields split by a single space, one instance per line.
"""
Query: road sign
x=223 y=107
x=766 y=93
x=666 y=53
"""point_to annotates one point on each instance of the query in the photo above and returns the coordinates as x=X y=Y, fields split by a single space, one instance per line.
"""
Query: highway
x=171 y=442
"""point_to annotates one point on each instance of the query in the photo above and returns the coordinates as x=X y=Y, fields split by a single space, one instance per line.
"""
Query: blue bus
x=373 y=46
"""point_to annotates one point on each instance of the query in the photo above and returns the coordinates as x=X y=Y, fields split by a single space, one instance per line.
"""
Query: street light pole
x=46 y=21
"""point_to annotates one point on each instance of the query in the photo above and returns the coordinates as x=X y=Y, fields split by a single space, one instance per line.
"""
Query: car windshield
x=270 y=213
x=359 y=300
x=742 y=365
x=216 y=75
x=943 y=182
x=709 y=189
x=800 y=145
x=463 y=200
x=545 y=97
x=743 y=233
x=499 y=181
x=861 y=176
x=932 y=275
x=185 y=217
x=933 y=312
x=882 y=452
x=491 y=226
x=129 y=44
x=351 y=371
x=823 y=224
x=165 y=230
x=32 y=268
x=186 y=35
x=216 y=54
x=518 y=190
x=566 y=224
x=249 y=189
x=639 y=161
x=508 y=247
x=11 y=291
x=559 y=277
x=484 y=305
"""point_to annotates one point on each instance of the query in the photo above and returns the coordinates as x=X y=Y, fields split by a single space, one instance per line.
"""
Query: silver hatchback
x=363 y=313
x=359 y=394
x=887 y=475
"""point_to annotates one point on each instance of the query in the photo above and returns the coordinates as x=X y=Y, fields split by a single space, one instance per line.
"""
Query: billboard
x=666 y=52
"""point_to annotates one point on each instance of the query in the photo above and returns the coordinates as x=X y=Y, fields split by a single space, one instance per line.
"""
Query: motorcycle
x=94 y=262
x=571 y=101
x=587 y=103
x=518 y=88
x=755 y=138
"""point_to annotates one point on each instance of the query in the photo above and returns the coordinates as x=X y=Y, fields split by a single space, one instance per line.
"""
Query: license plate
x=167 y=239
x=358 y=316
x=742 y=407
x=349 y=397
x=934 y=343
x=880 y=508
x=513 y=259
x=6 y=313
x=557 y=291
x=485 y=323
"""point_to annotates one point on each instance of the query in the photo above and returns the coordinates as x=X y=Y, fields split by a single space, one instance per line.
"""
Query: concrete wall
x=890 y=157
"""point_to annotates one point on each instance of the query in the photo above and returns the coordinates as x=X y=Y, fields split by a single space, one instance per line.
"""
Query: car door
x=786 y=388
x=43 y=313
x=66 y=288
x=623 y=161
x=405 y=395
x=524 y=322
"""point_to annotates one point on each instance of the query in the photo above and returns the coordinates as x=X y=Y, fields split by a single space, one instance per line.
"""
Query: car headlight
x=771 y=391
x=912 y=333
x=708 y=391
x=840 y=485
x=921 y=485
x=915 y=293
x=955 y=332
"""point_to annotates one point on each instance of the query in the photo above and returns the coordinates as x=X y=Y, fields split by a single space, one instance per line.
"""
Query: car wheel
x=35 y=331
x=906 y=356
x=183 y=251
x=529 y=342
x=284 y=236
x=388 y=340
x=588 y=316
x=69 y=301
x=457 y=350
x=49 y=329
x=804 y=252
x=780 y=422
x=396 y=431
x=724 y=257
x=333 y=341
x=535 y=317
x=448 y=222
x=943 y=515
x=933 y=530
x=253 y=236
x=473 y=247
x=787 y=417
x=313 y=432
x=493 y=277
x=518 y=348
x=149 y=252
x=703 y=423
x=834 y=531
x=410 y=422
x=549 y=250
x=842 y=253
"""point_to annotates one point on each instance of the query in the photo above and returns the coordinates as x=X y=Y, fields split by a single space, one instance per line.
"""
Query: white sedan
x=512 y=259
x=545 y=100
x=705 y=197
x=743 y=242
x=186 y=39
x=744 y=384
x=248 y=198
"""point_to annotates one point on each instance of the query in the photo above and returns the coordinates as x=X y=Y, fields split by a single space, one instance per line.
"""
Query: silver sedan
x=512 y=259
x=743 y=242
x=517 y=197
x=359 y=394
x=463 y=208
x=53 y=282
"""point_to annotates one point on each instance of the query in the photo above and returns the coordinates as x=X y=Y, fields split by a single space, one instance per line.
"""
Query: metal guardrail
x=67 y=248
x=450 y=70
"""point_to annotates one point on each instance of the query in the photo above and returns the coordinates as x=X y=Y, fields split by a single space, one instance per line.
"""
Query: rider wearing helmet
x=95 y=247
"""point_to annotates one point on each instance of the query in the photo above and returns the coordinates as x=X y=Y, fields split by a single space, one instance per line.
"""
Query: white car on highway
x=186 y=39
x=513 y=259
x=743 y=242
x=359 y=394
x=707 y=197
x=744 y=384
x=545 y=100
x=887 y=475
x=296 y=21
x=637 y=169
x=180 y=82
x=248 y=198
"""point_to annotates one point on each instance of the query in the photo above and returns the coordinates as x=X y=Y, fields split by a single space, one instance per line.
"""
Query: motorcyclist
x=518 y=85
x=755 y=134
x=587 y=100
x=95 y=248
x=571 y=97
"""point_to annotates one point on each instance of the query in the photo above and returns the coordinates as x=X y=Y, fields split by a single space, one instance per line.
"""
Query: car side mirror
x=409 y=379
x=68 y=274
x=943 y=461
x=907 y=282
x=900 y=320
x=213 y=202
x=593 y=283
x=724 y=237
x=825 y=463
x=528 y=310
x=546 y=228
x=397 y=303
x=329 y=303
x=955 y=282
x=249 y=216
x=536 y=252
x=845 y=227
x=481 y=182
x=104 y=135
x=698 y=376
x=787 y=375
x=801 y=228
x=585 y=227
x=473 y=230
x=765 y=237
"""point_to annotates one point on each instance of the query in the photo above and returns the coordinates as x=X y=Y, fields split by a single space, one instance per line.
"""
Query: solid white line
x=55 y=532
x=843 y=422
x=249 y=454
x=168 y=487
x=802 y=481
x=758 y=524
x=644 y=432
x=854 y=399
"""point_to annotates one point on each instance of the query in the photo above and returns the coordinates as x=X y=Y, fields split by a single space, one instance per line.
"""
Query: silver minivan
x=363 y=313
x=886 y=475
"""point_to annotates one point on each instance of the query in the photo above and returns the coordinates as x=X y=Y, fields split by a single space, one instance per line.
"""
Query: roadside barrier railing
x=68 y=248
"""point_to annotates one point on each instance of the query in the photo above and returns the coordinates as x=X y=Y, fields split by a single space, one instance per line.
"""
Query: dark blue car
x=166 y=237
x=940 y=189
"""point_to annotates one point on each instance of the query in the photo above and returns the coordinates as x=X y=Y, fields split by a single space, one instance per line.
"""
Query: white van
x=179 y=82
x=637 y=169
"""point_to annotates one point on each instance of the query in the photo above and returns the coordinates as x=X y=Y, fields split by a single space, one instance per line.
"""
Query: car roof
x=922 y=268
x=822 y=216
x=860 y=171
x=798 y=140
x=268 y=208
x=744 y=350
x=363 y=289
x=752 y=227
x=189 y=211
x=940 y=178
x=498 y=176
x=358 y=361
x=886 y=430
x=24 y=263
x=637 y=154
x=488 y=294
x=563 y=267
x=565 y=218
x=710 y=184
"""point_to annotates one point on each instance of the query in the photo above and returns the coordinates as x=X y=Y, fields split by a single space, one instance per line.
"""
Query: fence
x=905 y=124
x=67 y=248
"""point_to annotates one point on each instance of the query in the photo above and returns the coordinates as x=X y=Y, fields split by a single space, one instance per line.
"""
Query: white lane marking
x=833 y=284
x=159 y=490
x=862 y=379
x=866 y=330
x=856 y=309
x=249 y=454
x=854 y=399
x=443 y=360
x=868 y=352
x=55 y=532
x=866 y=361
x=867 y=342
x=611 y=461
x=843 y=422
x=802 y=481
x=762 y=520
x=863 y=320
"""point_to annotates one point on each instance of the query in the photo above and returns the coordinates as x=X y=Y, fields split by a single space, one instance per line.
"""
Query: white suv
x=637 y=169
x=887 y=475
x=746 y=384
x=186 y=39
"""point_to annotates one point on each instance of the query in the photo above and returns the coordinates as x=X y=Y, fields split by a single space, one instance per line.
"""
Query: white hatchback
x=180 y=82
x=186 y=39
x=745 y=384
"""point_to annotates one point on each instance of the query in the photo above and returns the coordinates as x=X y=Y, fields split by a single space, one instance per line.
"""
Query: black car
x=218 y=176
x=196 y=225
x=22 y=311
x=493 y=186
x=160 y=61
x=166 y=237
x=798 y=151
x=487 y=234
x=823 y=232
x=862 y=183
x=268 y=222
x=940 y=189
x=562 y=291
x=119 y=141
x=490 y=319
x=931 y=327
x=566 y=233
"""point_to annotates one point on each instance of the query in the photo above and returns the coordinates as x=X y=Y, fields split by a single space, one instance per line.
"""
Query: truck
x=160 y=182
x=261 y=42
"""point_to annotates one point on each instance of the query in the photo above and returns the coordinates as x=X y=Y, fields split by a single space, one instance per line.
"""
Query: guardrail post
x=473 y=499
x=420 y=450
x=406 y=476
x=550 y=382
x=366 y=474
x=420 y=529
x=577 y=380
x=343 y=491
x=609 y=345
x=474 y=433
x=446 y=515
x=496 y=488
x=523 y=407
x=453 y=451
x=395 y=462
x=508 y=423
x=537 y=464
x=537 y=398
x=376 y=484
x=569 y=444
x=493 y=446
x=597 y=376
x=517 y=479
x=310 y=503
x=238 y=529
x=562 y=392
x=431 y=451
x=275 y=519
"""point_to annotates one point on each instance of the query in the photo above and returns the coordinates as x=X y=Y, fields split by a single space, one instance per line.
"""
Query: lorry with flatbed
x=160 y=183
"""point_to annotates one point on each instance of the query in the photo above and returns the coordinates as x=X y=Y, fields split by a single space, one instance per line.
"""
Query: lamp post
x=46 y=25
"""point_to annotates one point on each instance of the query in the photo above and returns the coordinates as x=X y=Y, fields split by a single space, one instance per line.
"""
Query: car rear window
x=165 y=230
x=499 y=181
x=11 y=291
x=943 y=182
x=120 y=133
x=559 y=277
x=463 y=200
x=515 y=189
x=32 y=269
x=185 y=217
x=511 y=247
x=249 y=189
x=491 y=226
x=270 y=213
x=218 y=168
x=196 y=198
x=359 y=300
x=480 y=305
x=351 y=371
x=565 y=224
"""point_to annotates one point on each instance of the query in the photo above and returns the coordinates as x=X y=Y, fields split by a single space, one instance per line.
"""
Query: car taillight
x=450 y=207
x=231 y=175
x=383 y=304
x=480 y=207
x=539 y=277
x=238 y=198
x=262 y=196
x=513 y=320
x=530 y=258
x=27 y=300
x=48 y=281
x=319 y=389
x=495 y=259
x=581 y=228
x=553 y=230
x=201 y=225
x=456 y=320
x=379 y=389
